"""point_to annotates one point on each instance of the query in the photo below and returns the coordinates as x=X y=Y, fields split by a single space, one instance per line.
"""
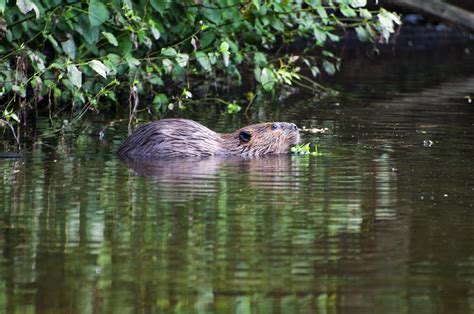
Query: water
x=382 y=222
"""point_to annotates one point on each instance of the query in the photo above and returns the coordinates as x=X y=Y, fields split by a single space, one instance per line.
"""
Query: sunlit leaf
x=362 y=33
x=132 y=62
x=168 y=65
x=225 y=58
x=155 y=32
x=168 y=52
x=99 y=67
x=357 y=3
x=233 y=108
x=26 y=6
x=224 y=46
x=2 y=6
x=348 y=11
x=267 y=79
x=74 y=75
x=365 y=13
x=203 y=60
x=69 y=47
x=320 y=35
x=182 y=59
x=329 y=67
x=212 y=57
x=322 y=13
x=110 y=38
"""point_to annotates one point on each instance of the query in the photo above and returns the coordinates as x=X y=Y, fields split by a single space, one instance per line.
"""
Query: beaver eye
x=274 y=126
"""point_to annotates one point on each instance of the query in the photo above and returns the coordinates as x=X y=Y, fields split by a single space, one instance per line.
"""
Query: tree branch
x=441 y=9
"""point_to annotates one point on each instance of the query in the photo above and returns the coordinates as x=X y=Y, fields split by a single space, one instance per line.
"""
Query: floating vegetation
x=305 y=149
x=314 y=130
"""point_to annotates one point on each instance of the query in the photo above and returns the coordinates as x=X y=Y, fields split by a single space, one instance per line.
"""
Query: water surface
x=382 y=222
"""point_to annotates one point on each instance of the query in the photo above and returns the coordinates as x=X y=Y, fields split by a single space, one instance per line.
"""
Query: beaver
x=186 y=138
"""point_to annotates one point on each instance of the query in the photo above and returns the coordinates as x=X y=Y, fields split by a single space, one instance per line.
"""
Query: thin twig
x=13 y=130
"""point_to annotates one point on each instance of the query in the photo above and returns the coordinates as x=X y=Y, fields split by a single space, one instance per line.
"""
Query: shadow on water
x=383 y=221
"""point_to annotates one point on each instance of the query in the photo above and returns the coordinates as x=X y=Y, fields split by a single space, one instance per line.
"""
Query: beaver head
x=264 y=138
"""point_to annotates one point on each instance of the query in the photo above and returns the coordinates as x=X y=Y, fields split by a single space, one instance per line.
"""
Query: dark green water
x=383 y=222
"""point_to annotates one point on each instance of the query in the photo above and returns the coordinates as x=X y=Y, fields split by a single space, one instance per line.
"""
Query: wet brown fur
x=182 y=138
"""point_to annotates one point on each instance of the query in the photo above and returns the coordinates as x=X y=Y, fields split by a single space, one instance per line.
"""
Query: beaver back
x=172 y=138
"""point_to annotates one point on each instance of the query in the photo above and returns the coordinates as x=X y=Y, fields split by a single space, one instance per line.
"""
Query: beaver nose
x=293 y=126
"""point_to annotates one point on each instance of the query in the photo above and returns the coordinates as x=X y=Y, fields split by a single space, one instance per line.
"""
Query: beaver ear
x=245 y=136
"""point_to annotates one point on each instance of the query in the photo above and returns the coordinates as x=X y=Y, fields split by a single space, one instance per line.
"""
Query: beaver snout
x=285 y=126
x=290 y=127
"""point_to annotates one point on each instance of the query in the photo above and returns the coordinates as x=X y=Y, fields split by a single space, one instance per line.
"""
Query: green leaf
x=267 y=79
x=10 y=114
x=90 y=33
x=160 y=101
x=159 y=6
x=69 y=47
x=2 y=6
x=233 y=108
x=203 y=60
x=348 y=11
x=132 y=62
x=277 y=24
x=20 y=90
x=252 y=38
x=207 y=39
x=365 y=13
x=168 y=52
x=155 y=32
x=212 y=57
x=320 y=35
x=332 y=37
x=14 y=117
x=182 y=59
x=111 y=38
x=226 y=58
x=322 y=13
x=168 y=65
x=357 y=3
x=390 y=16
x=257 y=72
x=54 y=43
x=327 y=53
x=99 y=67
x=37 y=60
x=125 y=45
x=212 y=15
x=74 y=75
x=329 y=67
x=362 y=34
x=26 y=6
x=224 y=46
x=260 y=59
x=98 y=13
x=256 y=4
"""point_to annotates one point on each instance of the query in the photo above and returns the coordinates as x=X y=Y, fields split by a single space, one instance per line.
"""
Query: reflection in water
x=87 y=234
x=380 y=223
